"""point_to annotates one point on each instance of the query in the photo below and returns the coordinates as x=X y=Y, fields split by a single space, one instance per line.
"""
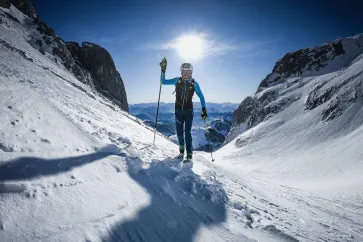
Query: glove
x=163 y=64
x=204 y=114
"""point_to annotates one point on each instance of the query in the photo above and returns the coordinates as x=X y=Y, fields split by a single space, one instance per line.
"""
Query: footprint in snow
x=46 y=141
x=7 y=147
x=282 y=236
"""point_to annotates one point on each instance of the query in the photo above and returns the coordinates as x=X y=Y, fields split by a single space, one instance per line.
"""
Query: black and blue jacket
x=184 y=90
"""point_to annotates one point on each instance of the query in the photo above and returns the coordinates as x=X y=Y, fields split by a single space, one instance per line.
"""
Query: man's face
x=186 y=74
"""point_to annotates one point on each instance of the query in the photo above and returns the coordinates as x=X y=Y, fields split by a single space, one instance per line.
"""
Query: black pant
x=181 y=117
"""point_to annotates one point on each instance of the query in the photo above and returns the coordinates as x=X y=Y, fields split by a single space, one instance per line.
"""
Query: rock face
x=298 y=70
x=90 y=64
x=216 y=134
x=302 y=62
x=24 y=6
x=102 y=68
x=5 y=3
x=222 y=126
x=99 y=63
x=48 y=42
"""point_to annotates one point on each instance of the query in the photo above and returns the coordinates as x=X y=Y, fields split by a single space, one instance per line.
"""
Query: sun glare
x=190 y=47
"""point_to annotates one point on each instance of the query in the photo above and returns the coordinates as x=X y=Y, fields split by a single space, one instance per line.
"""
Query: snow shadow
x=32 y=167
x=180 y=204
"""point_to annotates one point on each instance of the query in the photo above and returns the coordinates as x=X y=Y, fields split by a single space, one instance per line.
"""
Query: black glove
x=204 y=114
x=163 y=64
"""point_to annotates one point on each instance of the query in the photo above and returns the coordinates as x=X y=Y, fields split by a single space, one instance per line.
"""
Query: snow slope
x=315 y=141
x=311 y=141
x=74 y=167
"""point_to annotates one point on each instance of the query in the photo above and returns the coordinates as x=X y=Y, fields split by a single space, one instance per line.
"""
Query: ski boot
x=181 y=152
x=189 y=158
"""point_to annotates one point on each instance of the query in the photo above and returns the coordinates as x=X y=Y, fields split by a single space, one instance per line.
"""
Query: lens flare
x=190 y=47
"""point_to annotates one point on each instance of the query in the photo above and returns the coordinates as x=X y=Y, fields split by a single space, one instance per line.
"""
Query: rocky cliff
x=90 y=64
x=313 y=69
x=99 y=63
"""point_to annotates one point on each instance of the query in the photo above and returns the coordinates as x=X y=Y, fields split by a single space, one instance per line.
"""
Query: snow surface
x=74 y=169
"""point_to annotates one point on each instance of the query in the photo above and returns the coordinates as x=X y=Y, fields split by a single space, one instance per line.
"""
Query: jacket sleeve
x=199 y=92
x=168 y=81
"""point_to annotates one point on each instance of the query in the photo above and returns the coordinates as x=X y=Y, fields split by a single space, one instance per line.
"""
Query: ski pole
x=157 y=111
x=210 y=146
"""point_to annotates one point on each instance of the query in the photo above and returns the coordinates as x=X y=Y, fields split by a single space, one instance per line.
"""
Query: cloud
x=214 y=46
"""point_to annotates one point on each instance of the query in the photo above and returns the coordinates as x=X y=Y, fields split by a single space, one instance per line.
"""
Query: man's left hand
x=204 y=114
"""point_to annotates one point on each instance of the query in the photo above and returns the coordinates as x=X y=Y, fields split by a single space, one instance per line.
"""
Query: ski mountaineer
x=185 y=86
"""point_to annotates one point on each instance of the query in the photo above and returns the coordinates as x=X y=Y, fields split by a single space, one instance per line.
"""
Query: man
x=185 y=86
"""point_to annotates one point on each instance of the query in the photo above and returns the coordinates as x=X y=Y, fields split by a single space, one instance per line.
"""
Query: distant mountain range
x=218 y=113
x=150 y=108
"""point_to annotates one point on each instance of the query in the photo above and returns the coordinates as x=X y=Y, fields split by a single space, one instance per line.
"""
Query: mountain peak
x=323 y=80
x=328 y=57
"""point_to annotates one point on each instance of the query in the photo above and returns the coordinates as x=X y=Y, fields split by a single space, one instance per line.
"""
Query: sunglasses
x=186 y=72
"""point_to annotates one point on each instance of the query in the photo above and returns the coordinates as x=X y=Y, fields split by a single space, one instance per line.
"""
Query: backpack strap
x=180 y=79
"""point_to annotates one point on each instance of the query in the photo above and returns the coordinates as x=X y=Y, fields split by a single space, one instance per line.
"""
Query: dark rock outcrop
x=24 y=6
x=319 y=96
x=75 y=49
x=253 y=109
x=5 y=3
x=106 y=78
x=47 y=40
x=45 y=29
x=214 y=136
x=298 y=62
x=214 y=140
x=222 y=126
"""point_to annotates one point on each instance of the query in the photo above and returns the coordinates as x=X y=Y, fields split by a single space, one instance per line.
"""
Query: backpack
x=184 y=91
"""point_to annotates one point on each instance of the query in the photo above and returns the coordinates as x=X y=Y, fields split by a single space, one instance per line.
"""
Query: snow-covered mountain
x=90 y=64
x=75 y=166
x=304 y=123
x=318 y=77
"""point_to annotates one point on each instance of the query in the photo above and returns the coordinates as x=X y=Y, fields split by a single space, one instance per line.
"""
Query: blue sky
x=245 y=37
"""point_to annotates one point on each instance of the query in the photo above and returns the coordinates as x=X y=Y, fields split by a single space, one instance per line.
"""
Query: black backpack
x=184 y=90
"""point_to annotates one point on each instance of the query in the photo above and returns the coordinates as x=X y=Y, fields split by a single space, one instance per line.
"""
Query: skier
x=185 y=86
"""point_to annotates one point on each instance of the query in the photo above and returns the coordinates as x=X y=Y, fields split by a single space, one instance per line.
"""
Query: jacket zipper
x=185 y=87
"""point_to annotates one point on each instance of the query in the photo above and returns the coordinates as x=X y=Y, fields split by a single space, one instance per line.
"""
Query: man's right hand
x=163 y=64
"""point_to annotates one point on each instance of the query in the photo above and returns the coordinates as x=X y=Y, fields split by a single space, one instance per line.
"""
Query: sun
x=190 y=47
